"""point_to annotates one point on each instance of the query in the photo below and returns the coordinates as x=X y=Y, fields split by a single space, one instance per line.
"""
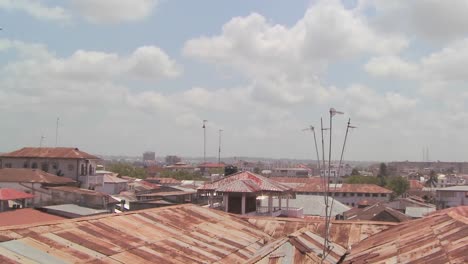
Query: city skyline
x=129 y=76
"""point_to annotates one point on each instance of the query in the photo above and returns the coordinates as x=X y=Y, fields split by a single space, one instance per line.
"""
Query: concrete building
x=348 y=194
x=71 y=163
x=149 y=156
x=291 y=172
x=451 y=196
x=337 y=171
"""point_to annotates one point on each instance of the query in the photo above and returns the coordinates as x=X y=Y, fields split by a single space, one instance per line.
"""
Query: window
x=90 y=170
x=351 y=194
x=71 y=167
x=383 y=195
x=7 y=165
x=367 y=194
x=26 y=164
x=83 y=170
x=55 y=165
x=375 y=195
x=344 y=194
x=352 y=204
x=34 y=165
x=45 y=167
x=359 y=194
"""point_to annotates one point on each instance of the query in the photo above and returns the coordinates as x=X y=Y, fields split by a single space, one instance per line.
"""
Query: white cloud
x=391 y=67
x=114 y=11
x=36 y=9
x=429 y=19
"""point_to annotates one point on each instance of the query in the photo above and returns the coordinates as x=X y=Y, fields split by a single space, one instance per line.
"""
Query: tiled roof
x=63 y=153
x=415 y=185
x=176 y=234
x=315 y=185
x=32 y=175
x=240 y=186
x=441 y=237
x=209 y=165
x=12 y=194
x=163 y=181
x=26 y=216
x=261 y=183
x=113 y=179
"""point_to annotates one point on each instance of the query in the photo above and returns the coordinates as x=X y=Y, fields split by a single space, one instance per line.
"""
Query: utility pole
x=41 y=141
x=219 y=149
x=56 y=131
x=204 y=141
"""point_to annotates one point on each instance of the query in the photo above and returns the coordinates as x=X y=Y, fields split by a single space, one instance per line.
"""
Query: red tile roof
x=315 y=185
x=12 y=194
x=261 y=184
x=32 y=175
x=26 y=216
x=415 y=185
x=210 y=165
x=63 y=153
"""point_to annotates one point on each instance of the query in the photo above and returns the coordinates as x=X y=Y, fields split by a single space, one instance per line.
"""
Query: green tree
x=383 y=173
x=355 y=172
x=432 y=181
x=399 y=185
x=126 y=169
x=359 y=179
x=182 y=175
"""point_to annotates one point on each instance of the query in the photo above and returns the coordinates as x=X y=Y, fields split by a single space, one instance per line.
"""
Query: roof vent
x=77 y=149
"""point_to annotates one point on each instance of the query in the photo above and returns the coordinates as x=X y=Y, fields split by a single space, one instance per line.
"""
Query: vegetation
x=382 y=174
x=182 y=175
x=127 y=169
x=399 y=185
x=229 y=169
x=432 y=181
x=355 y=172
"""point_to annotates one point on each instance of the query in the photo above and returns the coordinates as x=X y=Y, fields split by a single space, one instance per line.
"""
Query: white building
x=452 y=196
x=68 y=162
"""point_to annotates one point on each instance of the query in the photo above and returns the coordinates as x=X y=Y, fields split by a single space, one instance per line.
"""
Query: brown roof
x=26 y=216
x=344 y=233
x=376 y=212
x=163 y=181
x=175 y=234
x=315 y=185
x=255 y=183
x=31 y=175
x=163 y=194
x=63 y=153
x=415 y=185
x=441 y=237
x=7 y=194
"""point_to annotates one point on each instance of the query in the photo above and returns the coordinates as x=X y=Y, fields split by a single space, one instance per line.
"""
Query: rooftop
x=459 y=188
x=245 y=181
x=31 y=176
x=441 y=237
x=63 y=153
x=12 y=194
x=72 y=209
x=26 y=216
x=113 y=179
x=376 y=212
x=315 y=185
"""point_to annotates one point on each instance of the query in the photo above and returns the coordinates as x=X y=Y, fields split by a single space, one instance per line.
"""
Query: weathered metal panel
x=32 y=253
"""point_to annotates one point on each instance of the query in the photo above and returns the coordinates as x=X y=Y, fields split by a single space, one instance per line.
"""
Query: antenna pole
x=56 y=131
x=204 y=141
x=219 y=149
x=40 y=142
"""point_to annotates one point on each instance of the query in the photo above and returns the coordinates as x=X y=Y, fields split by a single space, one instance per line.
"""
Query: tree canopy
x=127 y=169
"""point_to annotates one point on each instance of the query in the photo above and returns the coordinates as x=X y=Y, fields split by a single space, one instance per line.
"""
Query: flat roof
x=74 y=209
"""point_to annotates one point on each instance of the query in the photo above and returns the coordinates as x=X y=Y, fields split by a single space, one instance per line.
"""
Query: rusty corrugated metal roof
x=63 y=153
x=25 y=216
x=302 y=246
x=12 y=194
x=176 y=234
x=441 y=237
x=262 y=183
x=344 y=233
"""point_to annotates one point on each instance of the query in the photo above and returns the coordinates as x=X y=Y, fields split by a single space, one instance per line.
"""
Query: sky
x=128 y=76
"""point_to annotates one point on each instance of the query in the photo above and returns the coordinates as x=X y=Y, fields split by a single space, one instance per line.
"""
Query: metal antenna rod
x=204 y=141
x=219 y=149
x=56 y=131
x=324 y=184
x=42 y=139
x=341 y=160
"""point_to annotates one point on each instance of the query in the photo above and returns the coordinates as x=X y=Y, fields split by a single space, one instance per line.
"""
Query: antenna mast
x=56 y=131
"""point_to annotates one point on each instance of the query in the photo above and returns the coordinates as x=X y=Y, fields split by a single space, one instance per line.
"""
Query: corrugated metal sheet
x=302 y=185
x=178 y=234
x=439 y=238
x=344 y=233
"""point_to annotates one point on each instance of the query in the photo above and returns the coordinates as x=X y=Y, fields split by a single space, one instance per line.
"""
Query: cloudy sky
x=126 y=76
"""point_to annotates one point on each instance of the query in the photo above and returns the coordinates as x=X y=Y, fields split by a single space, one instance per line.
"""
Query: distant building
x=291 y=172
x=376 y=212
x=171 y=159
x=149 y=156
x=451 y=196
x=337 y=171
x=71 y=163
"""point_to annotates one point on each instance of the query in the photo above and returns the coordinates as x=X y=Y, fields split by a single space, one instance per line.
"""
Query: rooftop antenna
x=56 y=131
x=219 y=149
x=326 y=246
x=204 y=141
x=348 y=127
x=311 y=128
x=41 y=141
